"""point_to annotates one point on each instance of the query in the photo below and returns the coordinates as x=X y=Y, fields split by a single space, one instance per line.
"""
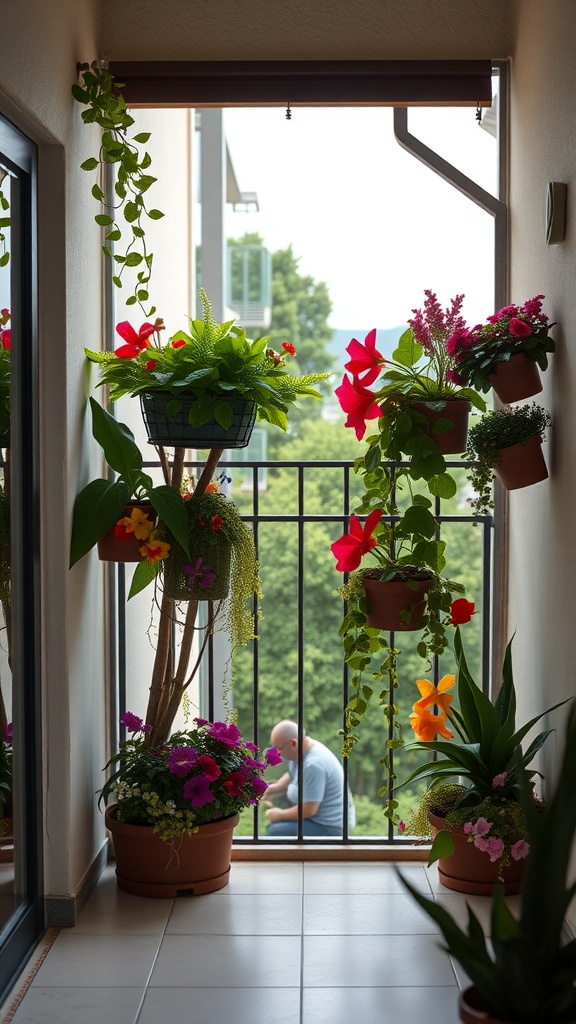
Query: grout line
x=155 y=960
x=301 y=1002
x=47 y=941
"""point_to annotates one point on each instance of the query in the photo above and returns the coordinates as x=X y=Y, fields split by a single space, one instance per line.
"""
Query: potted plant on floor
x=473 y=804
x=505 y=352
x=508 y=443
x=527 y=974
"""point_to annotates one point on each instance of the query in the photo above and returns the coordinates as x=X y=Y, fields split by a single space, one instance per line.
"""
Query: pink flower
x=505 y=311
x=533 y=308
x=460 y=341
x=258 y=786
x=348 y=550
x=520 y=849
x=181 y=760
x=401 y=826
x=359 y=402
x=499 y=780
x=495 y=849
x=272 y=755
x=481 y=844
x=366 y=359
x=198 y=792
x=135 y=343
x=227 y=734
x=252 y=746
x=519 y=328
x=469 y=828
x=482 y=827
x=454 y=378
x=132 y=722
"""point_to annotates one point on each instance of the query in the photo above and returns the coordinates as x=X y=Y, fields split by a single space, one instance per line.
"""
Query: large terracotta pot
x=118 y=549
x=186 y=866
x=516 y=378
x=164 y=429
x=457 y=410
x=470 y=870
x=388 y=600
x=521 y=465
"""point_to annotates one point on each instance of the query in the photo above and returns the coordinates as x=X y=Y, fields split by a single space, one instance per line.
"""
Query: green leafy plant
x=528 y=973
x=5 y=370
x=210 y=363
x=513 y=330
x=493 y=432
x=101 y=93
x=194 y=777
x=487 y=754
x=5 y=221
x=101 y=503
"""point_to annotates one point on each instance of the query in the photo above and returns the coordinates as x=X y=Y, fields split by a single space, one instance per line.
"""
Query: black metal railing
x=281 y=500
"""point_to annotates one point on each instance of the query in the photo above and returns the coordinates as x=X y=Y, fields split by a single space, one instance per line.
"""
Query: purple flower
x=181 y=760
x=132 y=722
x=201 y=572
x=198 y=792
x=273 y=756
x=257 y=766
x=499 y=780
x=228 y=734
x=520 y=850
x=258 y=786
x=252 y=746
x=9 y=732
x=201 y=721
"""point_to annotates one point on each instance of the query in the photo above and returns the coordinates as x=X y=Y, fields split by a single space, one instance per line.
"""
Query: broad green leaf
x=408 y=352
x=443 y=846
x=144 y=574
x=90 y=164
x=172 y=511
x=98 y=506
x=223 y=414
x=442 y=485
x=117 y=442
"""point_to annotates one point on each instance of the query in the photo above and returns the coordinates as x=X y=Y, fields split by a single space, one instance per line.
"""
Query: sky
x=362 y=214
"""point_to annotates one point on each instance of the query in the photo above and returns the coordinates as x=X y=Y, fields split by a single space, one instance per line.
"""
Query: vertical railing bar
x=300 y=646
x=486 y=605
x=121 y=647
x=255 y=648
x=346 y=508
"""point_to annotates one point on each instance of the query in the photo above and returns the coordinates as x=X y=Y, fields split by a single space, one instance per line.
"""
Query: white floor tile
x=362 y=878
x=79 y=1006
x=456 y=904
x=120 y=912
x=365 y=915
x=372 y=961
x=253 y=876
x=380 y=1006
x=237 y=961
x=91 y=960
x=221 y=1006
x=237 y=915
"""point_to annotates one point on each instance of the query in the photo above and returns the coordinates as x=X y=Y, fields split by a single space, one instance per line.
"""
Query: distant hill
x=386 y=341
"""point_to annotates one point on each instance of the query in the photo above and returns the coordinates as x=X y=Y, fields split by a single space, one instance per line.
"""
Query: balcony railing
x=295 y=669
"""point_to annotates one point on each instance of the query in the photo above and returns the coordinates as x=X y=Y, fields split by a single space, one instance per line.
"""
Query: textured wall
x=304 y=29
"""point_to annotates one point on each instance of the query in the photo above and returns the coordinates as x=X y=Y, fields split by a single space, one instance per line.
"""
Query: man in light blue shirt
x=322 y=790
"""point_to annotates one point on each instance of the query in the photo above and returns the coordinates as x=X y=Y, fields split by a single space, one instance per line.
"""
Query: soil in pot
x=471 y=871
x=391 y=601
x=516 y=378
x=521 y=465
x=457 y=411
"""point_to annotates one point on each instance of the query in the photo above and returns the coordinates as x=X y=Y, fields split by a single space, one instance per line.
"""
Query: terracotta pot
x=521 y=465
x=186 y=866
x=388 y=600
x=457 y=410
x=516 y=378
x=471 y=871
x=164 y=429
x=117 y=549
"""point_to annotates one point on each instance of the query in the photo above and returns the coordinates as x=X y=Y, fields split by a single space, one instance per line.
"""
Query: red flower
x=234 y=784
x=365 y=359
x=217 y=523
x=178 y=344
x=348 y=550
x=150 y=364
x=519 y=328
x=135 y=343
x=461 y=611
x=359 y=403
x=289 y=348
x=6 y=337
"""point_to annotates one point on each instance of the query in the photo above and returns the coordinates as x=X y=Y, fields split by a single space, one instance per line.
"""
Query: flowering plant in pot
x=413 y=391
x=486 y=759
x=506 y=442
x=527 y=974
x=487 y=355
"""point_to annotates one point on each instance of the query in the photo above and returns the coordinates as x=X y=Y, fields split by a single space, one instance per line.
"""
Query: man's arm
x=309 y=809
x=279 y=787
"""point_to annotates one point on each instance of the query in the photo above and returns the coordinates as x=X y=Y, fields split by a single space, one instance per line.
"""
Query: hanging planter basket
x=205 y=576
x=125 y=549
x=516 y=378
x=392 y=601
x=457 y=410
x=521 y=465
x=176 y=430
x=470 y=870
x=185 y=866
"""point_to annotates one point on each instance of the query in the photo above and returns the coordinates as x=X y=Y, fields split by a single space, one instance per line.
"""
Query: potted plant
x=478 y=824
x=505 y=352
x=507 y=442
x=176 y=805
x=202 y=389
x=423 y=412
x=527 y=974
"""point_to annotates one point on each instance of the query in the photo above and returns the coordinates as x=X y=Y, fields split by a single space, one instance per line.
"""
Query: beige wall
x=41 y=44
x=316 y=30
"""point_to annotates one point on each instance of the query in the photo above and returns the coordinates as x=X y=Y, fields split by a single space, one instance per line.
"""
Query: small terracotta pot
x=186 y=866
x=387 y=601
x=516 y=378
x=117 y=549
x=521 y=465
x=472 y=1008
x=470 y=870
x=457 y=410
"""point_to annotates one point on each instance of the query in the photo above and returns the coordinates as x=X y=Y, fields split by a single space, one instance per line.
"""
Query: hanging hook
x=288 y=112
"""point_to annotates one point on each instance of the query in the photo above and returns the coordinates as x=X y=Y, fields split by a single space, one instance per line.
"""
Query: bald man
x=322 y=790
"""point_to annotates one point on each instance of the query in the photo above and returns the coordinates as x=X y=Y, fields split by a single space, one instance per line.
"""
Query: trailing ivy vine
x=101 y=93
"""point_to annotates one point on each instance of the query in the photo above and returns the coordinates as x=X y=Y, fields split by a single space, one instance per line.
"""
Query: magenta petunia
x=209 y=767
x=256 y=766
x=252 y=746
x=519 y=328
x=228 y=734
x=197 y=791
x=181 y=760
x=201 y=721
x=273 y=756
x=132 y=722
x=259 y=786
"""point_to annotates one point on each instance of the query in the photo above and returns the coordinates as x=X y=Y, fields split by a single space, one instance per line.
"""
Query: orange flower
x=211 y=488
x=154 y=550
x=426 y=725
x=435 y=695
x=136 y=523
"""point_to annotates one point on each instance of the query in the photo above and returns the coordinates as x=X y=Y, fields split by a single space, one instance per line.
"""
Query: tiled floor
x=292 y=943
